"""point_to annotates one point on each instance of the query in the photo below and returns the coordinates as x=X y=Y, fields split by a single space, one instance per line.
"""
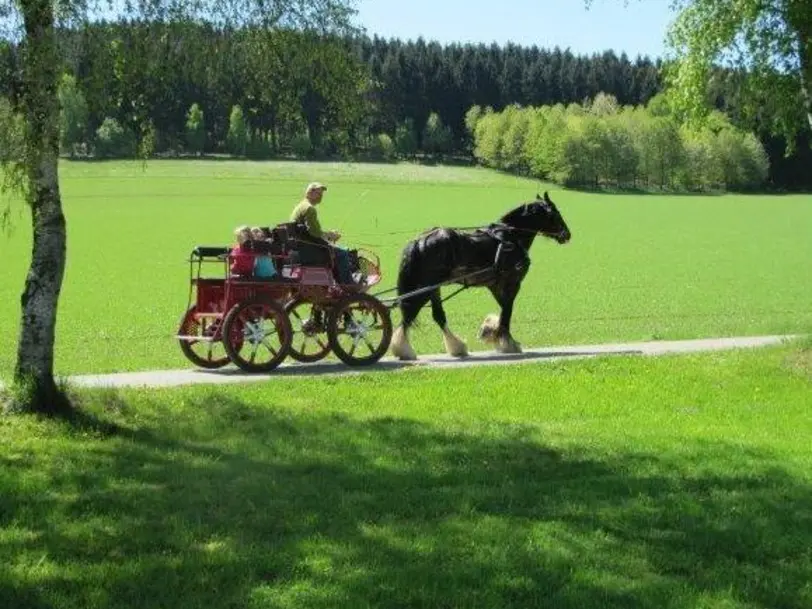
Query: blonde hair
x=240 y=232
x=257 y=229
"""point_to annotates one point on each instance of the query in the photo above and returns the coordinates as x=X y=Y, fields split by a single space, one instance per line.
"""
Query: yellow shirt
x=306 y=213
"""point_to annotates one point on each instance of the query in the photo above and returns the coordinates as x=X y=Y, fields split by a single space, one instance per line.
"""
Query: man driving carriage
x=306 y=214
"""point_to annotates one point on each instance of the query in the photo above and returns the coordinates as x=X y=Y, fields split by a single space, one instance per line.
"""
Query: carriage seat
x=210 y=251
x=299 y=246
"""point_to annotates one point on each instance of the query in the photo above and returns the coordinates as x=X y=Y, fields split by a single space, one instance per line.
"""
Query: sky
x=636 y=28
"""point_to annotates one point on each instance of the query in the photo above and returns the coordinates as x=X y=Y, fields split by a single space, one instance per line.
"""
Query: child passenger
x=263 y=264
x=242 y=258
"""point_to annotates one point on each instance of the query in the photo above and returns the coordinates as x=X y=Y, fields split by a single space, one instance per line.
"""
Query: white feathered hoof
x=507 y=344
x=489 y=328
x=400 y=346
x=454 y=346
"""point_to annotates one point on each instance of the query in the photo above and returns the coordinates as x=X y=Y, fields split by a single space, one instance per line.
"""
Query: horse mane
x=517 y=211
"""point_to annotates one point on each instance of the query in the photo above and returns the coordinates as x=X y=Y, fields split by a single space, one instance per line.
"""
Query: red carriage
x=302 y=312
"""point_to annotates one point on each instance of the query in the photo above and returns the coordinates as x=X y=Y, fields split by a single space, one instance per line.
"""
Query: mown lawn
x=638 y=267
x=680 y=481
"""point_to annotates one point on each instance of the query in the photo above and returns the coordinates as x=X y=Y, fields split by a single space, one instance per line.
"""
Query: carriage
x=302 y=312
x=235 y=318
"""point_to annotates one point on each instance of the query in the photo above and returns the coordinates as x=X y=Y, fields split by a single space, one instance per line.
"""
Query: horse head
x=540 y=216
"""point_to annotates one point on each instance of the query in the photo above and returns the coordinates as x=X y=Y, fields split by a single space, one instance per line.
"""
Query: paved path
x=230 y=374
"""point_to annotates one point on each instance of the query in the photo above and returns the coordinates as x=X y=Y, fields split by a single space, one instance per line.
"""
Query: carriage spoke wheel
x=201 y=352
x=256 y=334
x=308 y=321
x=359 y=329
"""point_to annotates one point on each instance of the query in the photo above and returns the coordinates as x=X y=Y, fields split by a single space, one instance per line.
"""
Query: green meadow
x=668 y=482
x=671 y=482
x=638 y=267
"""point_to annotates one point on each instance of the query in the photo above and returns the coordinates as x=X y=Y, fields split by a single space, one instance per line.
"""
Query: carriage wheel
x=360 y=330
x=256 y=335
x=310 y=342
x=209 y=354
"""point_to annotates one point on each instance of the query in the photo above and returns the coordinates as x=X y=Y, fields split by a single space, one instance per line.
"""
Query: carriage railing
x=215 y=291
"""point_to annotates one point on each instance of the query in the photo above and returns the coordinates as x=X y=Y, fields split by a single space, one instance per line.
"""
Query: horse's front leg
x=505 y=342
x=496 y=329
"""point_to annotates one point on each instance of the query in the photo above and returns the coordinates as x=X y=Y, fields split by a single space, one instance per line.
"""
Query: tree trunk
x=35 y=353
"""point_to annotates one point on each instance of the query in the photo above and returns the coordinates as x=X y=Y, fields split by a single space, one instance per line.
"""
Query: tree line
x=601 y=143
x=287 y=86
x=131 y=87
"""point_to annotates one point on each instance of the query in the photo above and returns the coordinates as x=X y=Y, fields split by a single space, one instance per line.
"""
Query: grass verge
x=677 y=481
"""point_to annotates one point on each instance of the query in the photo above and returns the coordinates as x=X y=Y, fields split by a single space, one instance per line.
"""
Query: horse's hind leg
x=409 y=308
x=454 y=346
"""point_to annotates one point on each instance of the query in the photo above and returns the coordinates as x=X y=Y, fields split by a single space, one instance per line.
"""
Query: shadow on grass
x=238 y=505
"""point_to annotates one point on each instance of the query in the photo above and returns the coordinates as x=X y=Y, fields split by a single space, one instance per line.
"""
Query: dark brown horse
x=495 y=257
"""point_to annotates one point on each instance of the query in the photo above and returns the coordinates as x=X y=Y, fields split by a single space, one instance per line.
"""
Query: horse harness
x=508 y=251
x=505 y=255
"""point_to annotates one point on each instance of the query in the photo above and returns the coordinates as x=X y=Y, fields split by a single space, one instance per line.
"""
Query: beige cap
x=314 y=186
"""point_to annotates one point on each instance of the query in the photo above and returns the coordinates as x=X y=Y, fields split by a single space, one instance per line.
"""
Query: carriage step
x=203 y=339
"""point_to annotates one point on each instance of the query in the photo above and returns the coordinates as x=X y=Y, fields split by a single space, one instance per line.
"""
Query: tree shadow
x=238 y=504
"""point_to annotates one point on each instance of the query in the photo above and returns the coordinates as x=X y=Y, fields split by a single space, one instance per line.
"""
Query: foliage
x=11 y=133
x=437 y=137
x=302 y=144
x=765 y=44
x=344 y=90
x=42 y=31
x=603 y=143
x=406 y=138
x=73 y=115
x=12 y=146
x=472 y=116
x=238 y=136
x=383 y=147
x=195 y=129
x=768 y=41
x=113 y=140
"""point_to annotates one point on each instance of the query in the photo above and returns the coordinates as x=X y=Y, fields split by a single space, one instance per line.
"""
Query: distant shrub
x=113 y=140
x=382 y=147
x=301 y=145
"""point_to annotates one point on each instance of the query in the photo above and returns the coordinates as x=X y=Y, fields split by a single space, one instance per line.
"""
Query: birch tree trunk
x=35 y=353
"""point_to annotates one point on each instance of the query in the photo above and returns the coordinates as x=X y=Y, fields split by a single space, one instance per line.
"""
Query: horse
x=494 y=257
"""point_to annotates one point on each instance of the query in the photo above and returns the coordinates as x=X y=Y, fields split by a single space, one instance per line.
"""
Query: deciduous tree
x=769 y=42
x=34 y=23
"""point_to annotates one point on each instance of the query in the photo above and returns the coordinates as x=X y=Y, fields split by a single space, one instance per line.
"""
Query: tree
x=767 y=42
x=195 y=129
x=35 y=172
x=73 y=114
x=437 y=137
x=237 y=132
x=406 y=138
x=770 y=41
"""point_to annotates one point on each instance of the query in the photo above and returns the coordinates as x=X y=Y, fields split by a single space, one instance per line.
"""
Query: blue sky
x=638 y=28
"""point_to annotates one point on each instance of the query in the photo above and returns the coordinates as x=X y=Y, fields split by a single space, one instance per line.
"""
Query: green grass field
x=675 y=482
x=638 y=267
